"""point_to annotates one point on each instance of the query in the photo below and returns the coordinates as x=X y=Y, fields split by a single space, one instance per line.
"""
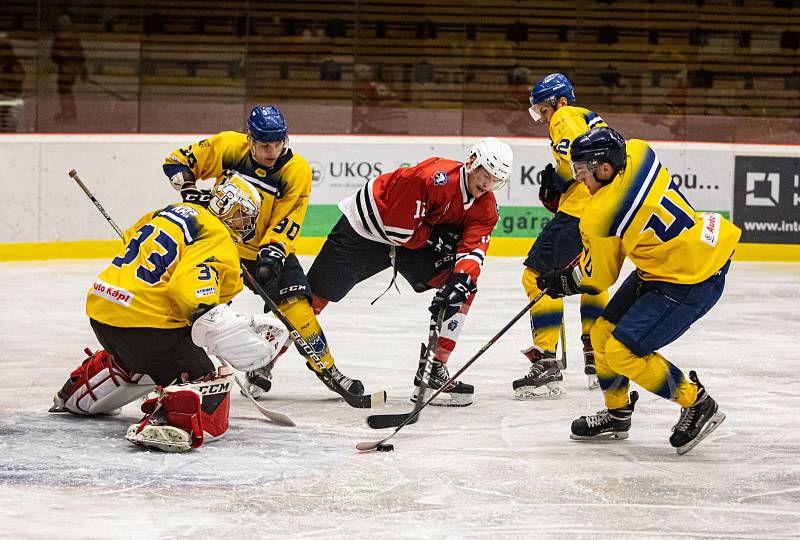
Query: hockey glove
x=560 y=283
x=455 y=292
x=445 y=240
x=270 y=265
x=180 y=176
x=196 y=196
x=548 y=193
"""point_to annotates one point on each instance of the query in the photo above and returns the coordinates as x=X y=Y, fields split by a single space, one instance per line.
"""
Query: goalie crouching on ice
x=158 y=304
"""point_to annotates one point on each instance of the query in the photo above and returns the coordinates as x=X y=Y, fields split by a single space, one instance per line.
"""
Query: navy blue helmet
x=599 y=145
x=551 y=89
x=266 y=124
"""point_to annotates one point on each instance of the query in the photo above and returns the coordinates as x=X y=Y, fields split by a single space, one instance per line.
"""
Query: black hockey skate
x=606 y=424
x=353 y=386
x=589 y=368
x=697 y=421
x=260 y=380
x=543 y=381
x=456 y=394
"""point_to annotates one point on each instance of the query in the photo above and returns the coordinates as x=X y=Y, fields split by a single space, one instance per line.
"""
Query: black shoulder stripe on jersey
x=370 y=211
x=402 y=236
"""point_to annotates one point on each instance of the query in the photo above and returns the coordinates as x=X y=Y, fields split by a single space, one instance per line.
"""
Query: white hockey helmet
x=496 y=157
x=236 y=202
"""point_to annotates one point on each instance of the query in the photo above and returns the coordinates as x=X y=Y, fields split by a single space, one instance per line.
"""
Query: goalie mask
x=236 y=203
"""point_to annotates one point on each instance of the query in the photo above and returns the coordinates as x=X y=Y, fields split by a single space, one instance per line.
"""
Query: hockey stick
x=74 y=174
x=367 y=446
x=278 y=418
x=563 y=345
x=273 y=416
x=381 y=421
x=354 y=400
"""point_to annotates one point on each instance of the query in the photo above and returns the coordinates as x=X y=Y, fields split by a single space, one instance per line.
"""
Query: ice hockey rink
x=500 y=468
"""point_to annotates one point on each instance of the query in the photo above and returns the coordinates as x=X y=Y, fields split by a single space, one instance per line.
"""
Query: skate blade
x=454 y=400
x=609 y=436
x=593 y=382
x=713 y=423
x=527 y=394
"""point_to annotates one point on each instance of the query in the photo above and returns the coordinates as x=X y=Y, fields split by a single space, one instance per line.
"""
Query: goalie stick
x=272 y=416
x=354 y=400
x=381 y=421
x=409 y=418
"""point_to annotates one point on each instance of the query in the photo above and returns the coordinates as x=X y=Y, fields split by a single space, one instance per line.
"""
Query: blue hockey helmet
x=599 y=145
x=266 y=124
x=550 y=90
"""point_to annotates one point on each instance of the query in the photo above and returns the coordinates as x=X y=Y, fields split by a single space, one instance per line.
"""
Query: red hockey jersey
x=401 y=207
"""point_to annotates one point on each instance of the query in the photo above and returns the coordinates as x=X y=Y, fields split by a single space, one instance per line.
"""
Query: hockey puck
x=384 y=447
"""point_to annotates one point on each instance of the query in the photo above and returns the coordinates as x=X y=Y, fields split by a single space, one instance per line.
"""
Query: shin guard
x=100 y=386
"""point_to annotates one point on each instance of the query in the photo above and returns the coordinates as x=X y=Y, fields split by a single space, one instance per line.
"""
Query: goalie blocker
x=136 y=361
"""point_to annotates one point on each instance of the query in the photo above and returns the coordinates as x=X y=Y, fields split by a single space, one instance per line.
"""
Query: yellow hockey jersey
x=172 y=260
x=642 y=215
x=285 y=187
x=566 y=124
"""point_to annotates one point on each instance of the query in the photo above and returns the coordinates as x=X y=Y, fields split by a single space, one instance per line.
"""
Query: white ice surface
x=500 y=468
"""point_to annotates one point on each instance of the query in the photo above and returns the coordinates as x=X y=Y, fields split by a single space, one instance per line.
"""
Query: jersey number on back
x=160 y=261
x=681 y=221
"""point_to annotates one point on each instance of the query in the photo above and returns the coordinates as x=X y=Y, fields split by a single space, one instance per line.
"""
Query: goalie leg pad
x=184 y=416
x=100 y=386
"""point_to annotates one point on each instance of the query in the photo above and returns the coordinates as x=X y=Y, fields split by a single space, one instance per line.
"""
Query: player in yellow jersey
x=681 y=258
x=283 y=178
x=552 y=102
x=163 y=299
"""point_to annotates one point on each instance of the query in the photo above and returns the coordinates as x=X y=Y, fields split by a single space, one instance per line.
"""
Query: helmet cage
x=236 y=203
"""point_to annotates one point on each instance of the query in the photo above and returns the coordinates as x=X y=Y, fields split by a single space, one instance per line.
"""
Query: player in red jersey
x=432 y=223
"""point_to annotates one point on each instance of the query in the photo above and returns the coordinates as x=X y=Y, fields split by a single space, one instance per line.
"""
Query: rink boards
x=47 y=216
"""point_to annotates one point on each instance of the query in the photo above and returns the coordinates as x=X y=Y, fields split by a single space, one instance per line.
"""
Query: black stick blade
x=383 y=421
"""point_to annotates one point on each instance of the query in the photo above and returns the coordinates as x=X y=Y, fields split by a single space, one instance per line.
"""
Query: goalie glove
x=561 y=283
x=246 y=343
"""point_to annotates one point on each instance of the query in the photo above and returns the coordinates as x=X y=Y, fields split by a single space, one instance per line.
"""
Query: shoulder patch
x=440 y=178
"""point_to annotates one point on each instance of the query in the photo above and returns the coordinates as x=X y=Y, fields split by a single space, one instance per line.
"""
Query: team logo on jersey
x=260 y=172
x=440 y=178
x=452 y=325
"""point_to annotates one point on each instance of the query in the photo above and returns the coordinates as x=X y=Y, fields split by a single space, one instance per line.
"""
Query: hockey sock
x=301 y=315
x=652 y=372
x=592 y=306
x=546 y=314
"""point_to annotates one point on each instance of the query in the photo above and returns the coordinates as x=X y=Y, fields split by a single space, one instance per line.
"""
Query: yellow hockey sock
x=546 y=314
x=301 y=315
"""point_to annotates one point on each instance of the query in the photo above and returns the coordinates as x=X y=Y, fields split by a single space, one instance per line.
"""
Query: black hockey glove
x=270 y=265
x=444 y=241
x=457 y=290
x=548 y=193
x=559 y=283
x=196 y=196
